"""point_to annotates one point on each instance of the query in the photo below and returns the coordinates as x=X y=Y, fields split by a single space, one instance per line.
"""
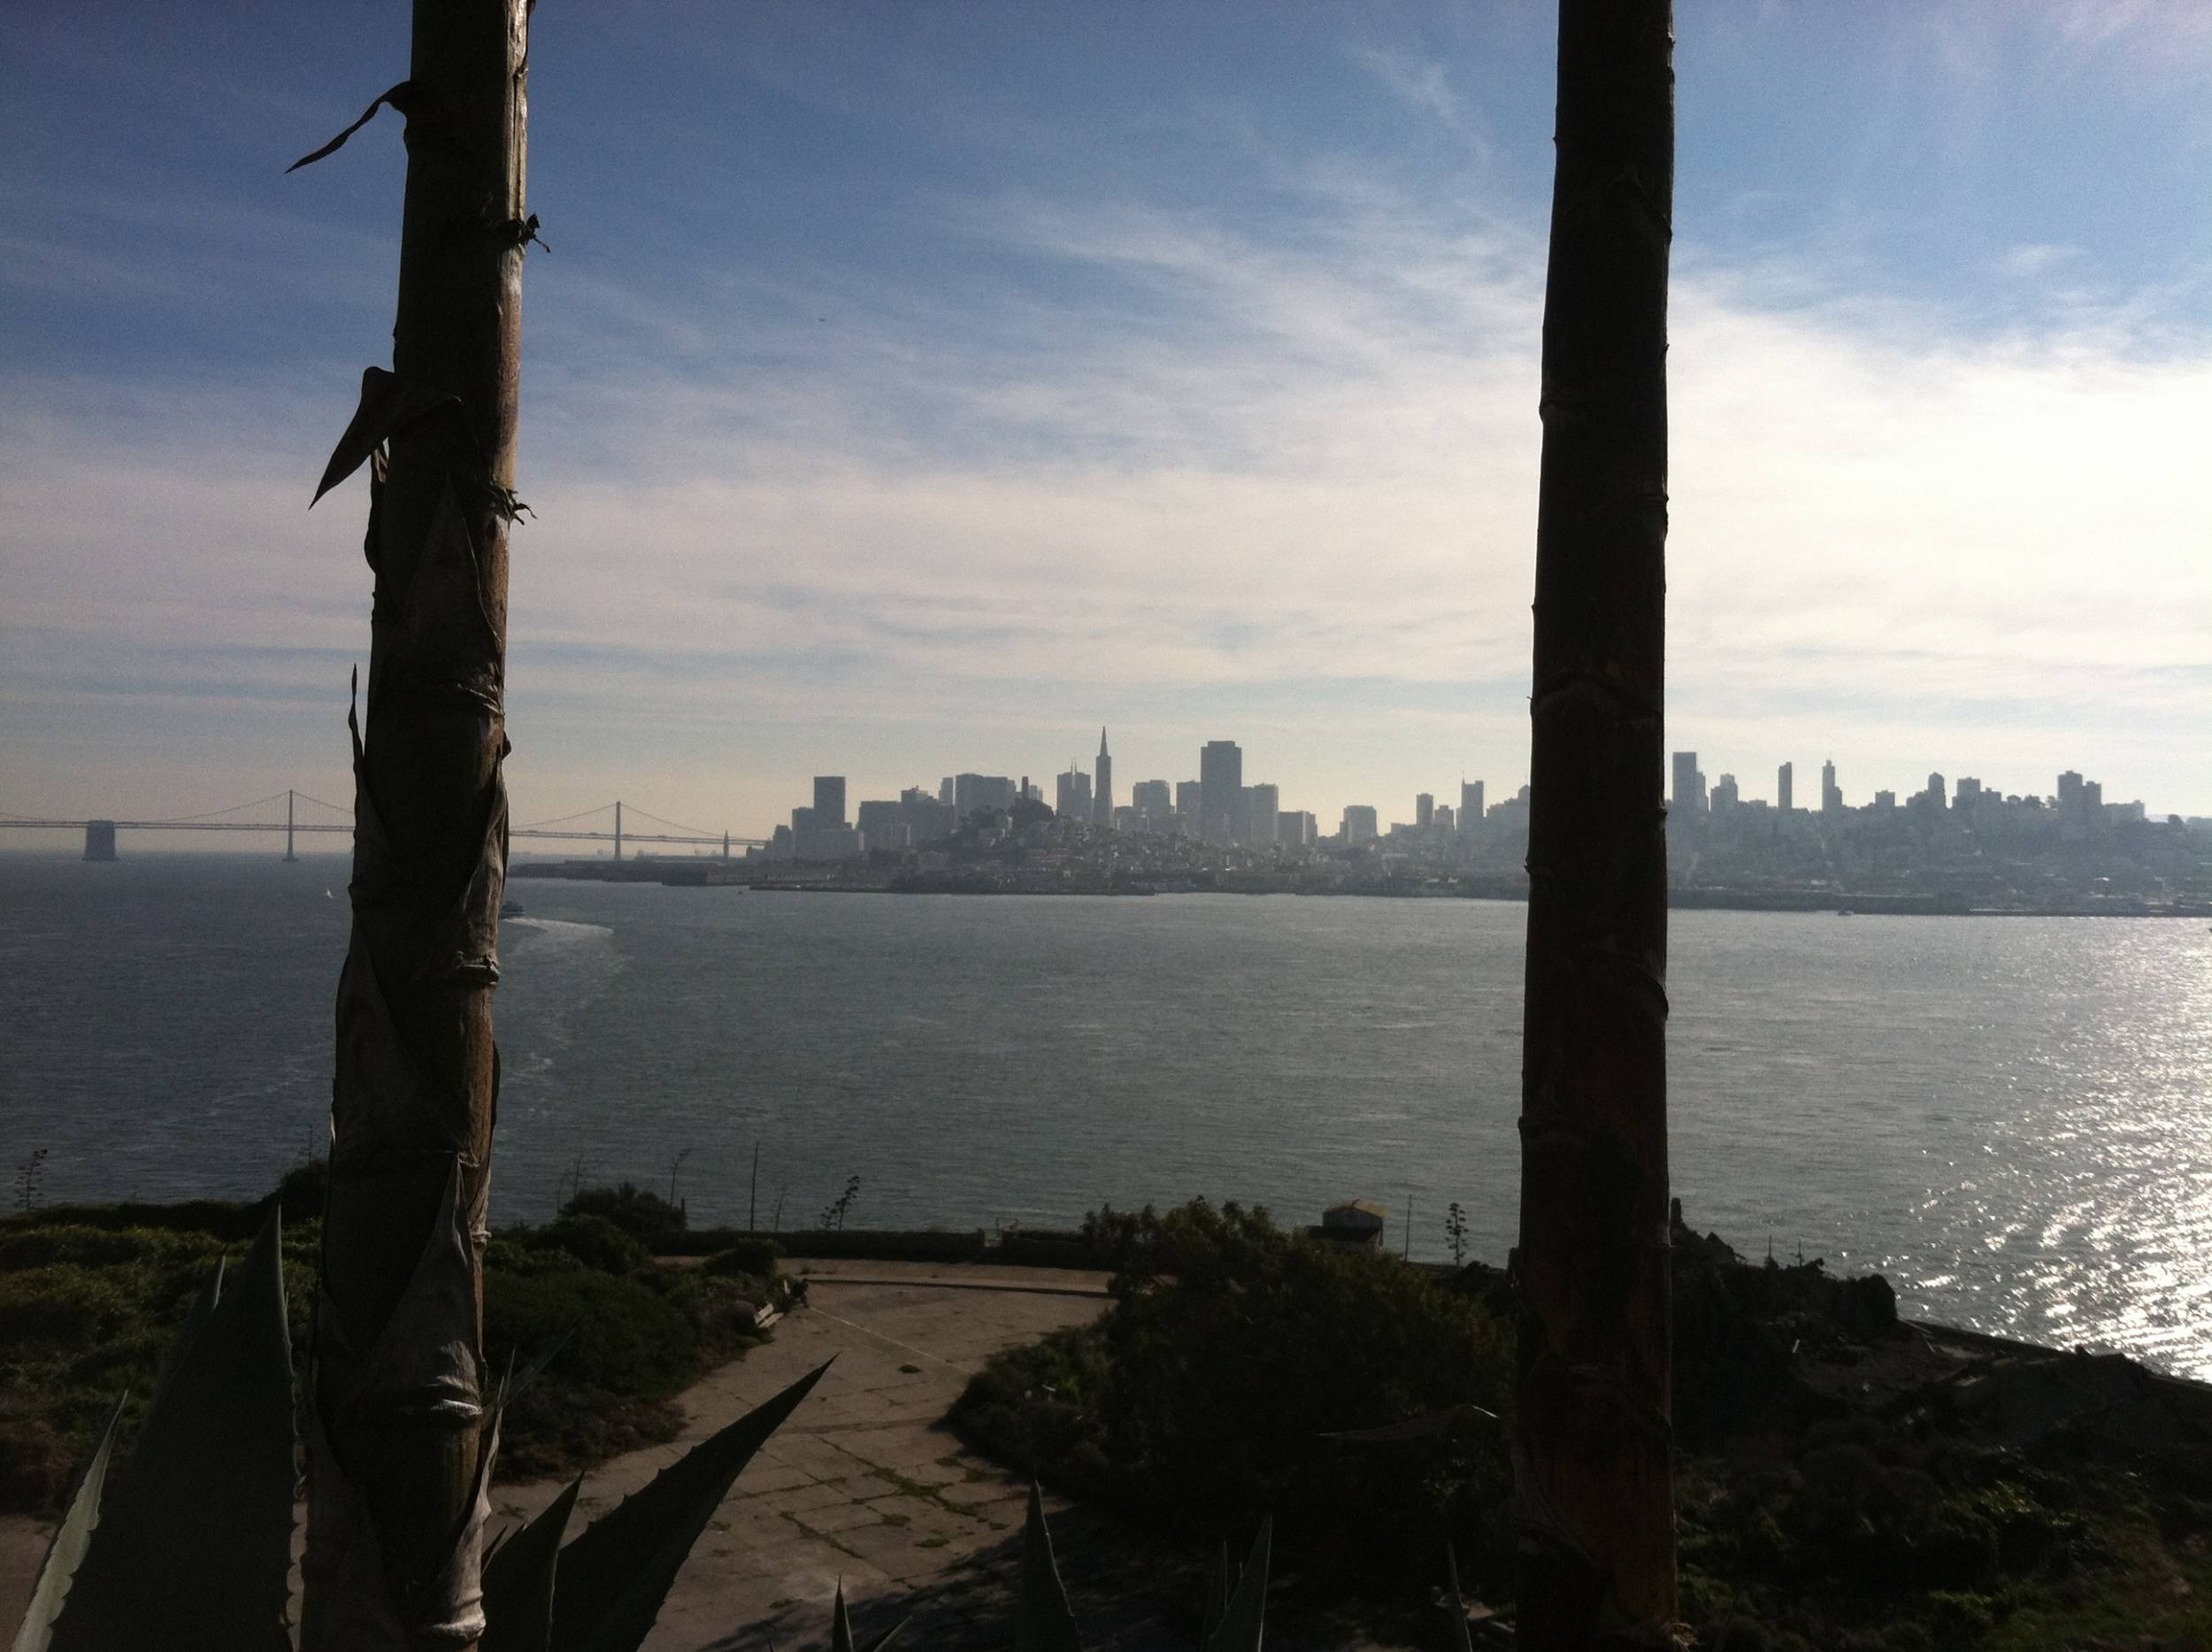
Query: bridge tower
x=99 y=840
x=726 y=846
x=617 y=828
x=288 y=855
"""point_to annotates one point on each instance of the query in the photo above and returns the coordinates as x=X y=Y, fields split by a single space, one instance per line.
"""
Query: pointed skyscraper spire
x=1101 y=740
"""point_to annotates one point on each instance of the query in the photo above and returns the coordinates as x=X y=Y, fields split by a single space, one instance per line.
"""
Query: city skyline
x=905 y=387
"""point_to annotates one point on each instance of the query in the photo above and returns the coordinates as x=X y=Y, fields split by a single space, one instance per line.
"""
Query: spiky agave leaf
x=66 y=1552
x=1244 y=1618
x=519 y=1577
x=1219 y=1581
x=841 y=1628
x=612 y=1579
x=193 y=1546
x=1043 y=1621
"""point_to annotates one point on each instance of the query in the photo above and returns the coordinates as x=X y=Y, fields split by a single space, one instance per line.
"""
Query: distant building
x=1102 y=787
x=1071 y=795
x=1724 y=796
x=1425 y=810
x=1265 y=812
x=1935 y=794
x=883 y=826
x=1296 y=828
x=1359 y=824
x=1220 y=787
x=1444 y=817
x=927 y=819
x=1782 y=777
x=829 y=799
x=1886 y=800
x=1358 y=1224
x=805 y=820
x=1689 y=784
x=1469 y=804
x=836 y=842
x=972 y=791
x=1830 y=793
x=1190 y=808
x=1966 y=796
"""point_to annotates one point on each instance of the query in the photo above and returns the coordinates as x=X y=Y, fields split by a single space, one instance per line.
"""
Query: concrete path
x=864 y=1483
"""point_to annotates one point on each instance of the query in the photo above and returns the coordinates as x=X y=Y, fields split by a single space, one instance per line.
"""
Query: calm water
x=2012 y=1118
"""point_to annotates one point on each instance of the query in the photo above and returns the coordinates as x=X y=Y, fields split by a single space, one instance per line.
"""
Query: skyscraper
x=1425 y=810
x=1469 y=804
x=1689 y=785
x=1072 y=800
x=1220 y=783
x=1359 y=824
x=1830 y=793
x=1102 y=787
x=1783 y=776
x=1190 y=807
x=1265 y=806
x=829 y=799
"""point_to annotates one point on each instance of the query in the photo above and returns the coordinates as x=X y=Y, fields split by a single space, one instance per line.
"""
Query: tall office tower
x=1190 y=807
x=1936 y=798
x=1220 y=783
x=1151 y=797
x=1782 y=777
x=1445 y=818
x=972 y=791
x=1265 y=810
x=829 y=799
x=944 y=791
x=1073 y=799
x=1469 y=804
x=1967 y=796
x=1424 y=810
x=1359 y=824
x=1102 y=789
x=1295 y=828
x=1724 y=796
x=1689 y=785
x=1830 y=793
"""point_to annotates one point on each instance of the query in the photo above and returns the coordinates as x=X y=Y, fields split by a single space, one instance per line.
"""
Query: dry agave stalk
x=401 y=1437
x=1592 y=1456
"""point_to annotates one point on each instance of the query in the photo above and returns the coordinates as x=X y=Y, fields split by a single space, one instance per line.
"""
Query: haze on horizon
x=912 y=390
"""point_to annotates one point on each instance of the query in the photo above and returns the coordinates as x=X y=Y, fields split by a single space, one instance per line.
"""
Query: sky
x=916 y=388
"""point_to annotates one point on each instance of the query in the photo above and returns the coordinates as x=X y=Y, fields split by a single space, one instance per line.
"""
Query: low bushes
x=643 y=1215
x=1205 y=1397
x=91 y=1296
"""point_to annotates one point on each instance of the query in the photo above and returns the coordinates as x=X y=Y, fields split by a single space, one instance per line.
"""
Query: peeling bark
x=401 y=1445
x=1593 y=1436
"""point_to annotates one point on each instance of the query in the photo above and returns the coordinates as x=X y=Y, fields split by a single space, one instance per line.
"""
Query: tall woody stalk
x=1592 y=1430
x=401 y=1441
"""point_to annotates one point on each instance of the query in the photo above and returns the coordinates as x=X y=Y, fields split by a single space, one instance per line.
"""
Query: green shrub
x=626 y=1336
x=753 y=1257
x=593 y=1240
x=638 y=1212
x=1233 y=1348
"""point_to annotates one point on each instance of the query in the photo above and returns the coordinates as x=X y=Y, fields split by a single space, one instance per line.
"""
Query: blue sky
x=914 y=388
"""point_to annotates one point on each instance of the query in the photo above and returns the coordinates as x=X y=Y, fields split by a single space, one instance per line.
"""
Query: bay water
x=2012 y=1118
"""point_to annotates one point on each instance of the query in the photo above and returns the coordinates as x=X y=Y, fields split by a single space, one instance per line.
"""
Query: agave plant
x=189 y=1546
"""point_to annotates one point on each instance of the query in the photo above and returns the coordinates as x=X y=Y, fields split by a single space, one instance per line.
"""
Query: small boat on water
x=510 y=909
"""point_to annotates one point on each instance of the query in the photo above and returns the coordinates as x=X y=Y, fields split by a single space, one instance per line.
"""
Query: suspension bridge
x=295 y=814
